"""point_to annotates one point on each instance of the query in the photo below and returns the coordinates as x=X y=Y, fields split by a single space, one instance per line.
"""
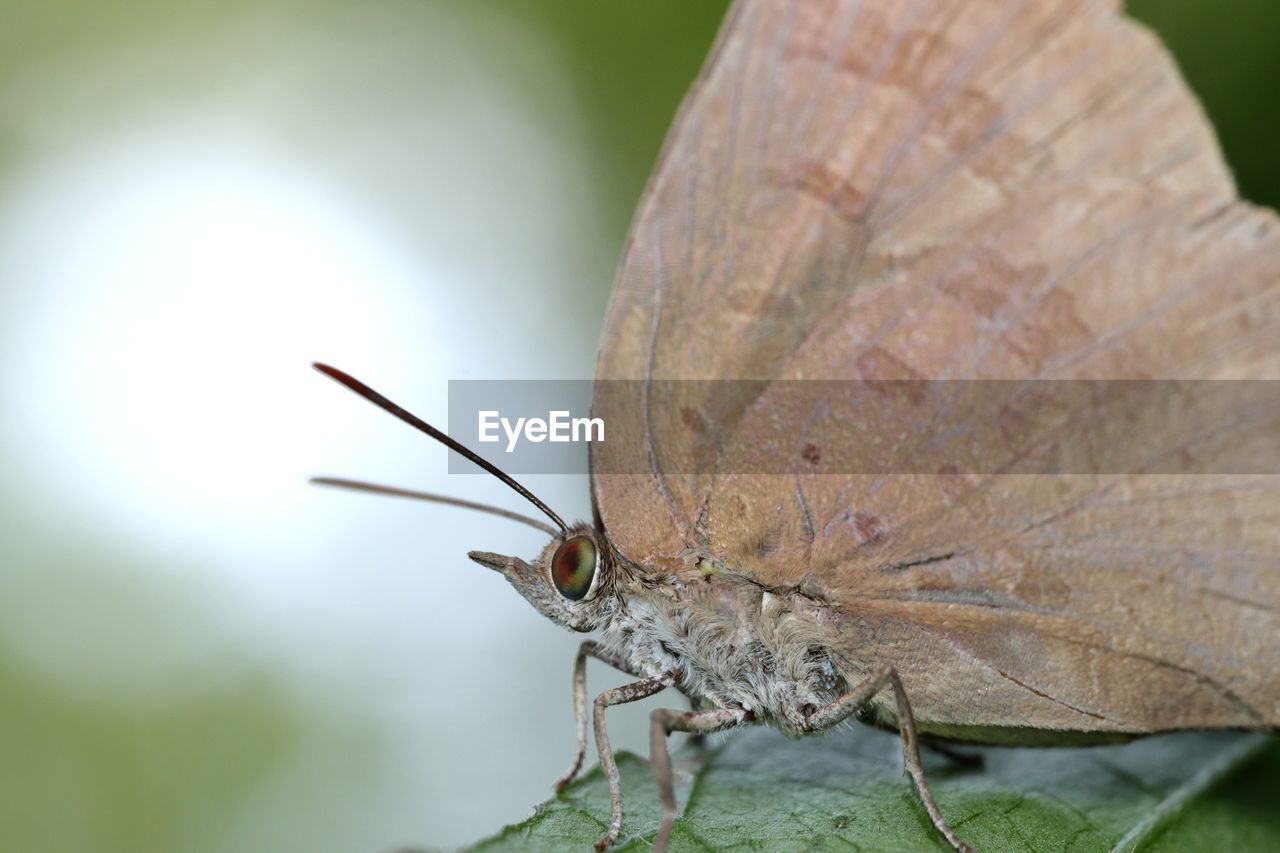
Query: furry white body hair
x=733 y=644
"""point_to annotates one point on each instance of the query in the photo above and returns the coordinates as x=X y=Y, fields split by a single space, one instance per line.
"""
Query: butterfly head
x=568 y=582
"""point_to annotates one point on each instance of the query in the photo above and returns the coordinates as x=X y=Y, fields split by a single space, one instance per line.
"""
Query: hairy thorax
x=733 y=644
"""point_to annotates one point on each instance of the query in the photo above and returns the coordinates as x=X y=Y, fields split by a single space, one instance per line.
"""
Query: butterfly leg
x=663 y=722
x=696 y=740
x=589 y=648
x=618 y=696
x=857 y=698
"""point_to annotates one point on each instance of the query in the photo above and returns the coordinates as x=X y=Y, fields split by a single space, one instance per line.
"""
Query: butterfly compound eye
x=573 y=567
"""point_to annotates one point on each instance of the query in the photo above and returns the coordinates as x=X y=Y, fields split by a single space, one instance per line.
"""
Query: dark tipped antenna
x=422 y=426
x=396 y=491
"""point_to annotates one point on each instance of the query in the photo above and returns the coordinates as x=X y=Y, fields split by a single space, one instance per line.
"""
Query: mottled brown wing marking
x=989 y=190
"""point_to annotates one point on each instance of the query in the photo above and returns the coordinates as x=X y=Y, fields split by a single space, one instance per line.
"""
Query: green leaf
x=761 y=791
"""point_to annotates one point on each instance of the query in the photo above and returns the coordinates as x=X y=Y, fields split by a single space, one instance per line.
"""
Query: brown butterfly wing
x=932 y=190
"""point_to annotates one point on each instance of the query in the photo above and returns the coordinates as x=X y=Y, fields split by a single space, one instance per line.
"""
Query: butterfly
x=930 y=191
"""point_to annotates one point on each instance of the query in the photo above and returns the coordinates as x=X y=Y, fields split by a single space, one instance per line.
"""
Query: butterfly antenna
x=422 y=426
x=395 y=491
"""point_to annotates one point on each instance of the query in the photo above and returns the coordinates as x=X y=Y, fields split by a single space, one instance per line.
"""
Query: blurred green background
x=197 y=651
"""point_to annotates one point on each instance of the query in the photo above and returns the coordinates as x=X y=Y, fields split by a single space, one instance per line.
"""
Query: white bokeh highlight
x=172 y=257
